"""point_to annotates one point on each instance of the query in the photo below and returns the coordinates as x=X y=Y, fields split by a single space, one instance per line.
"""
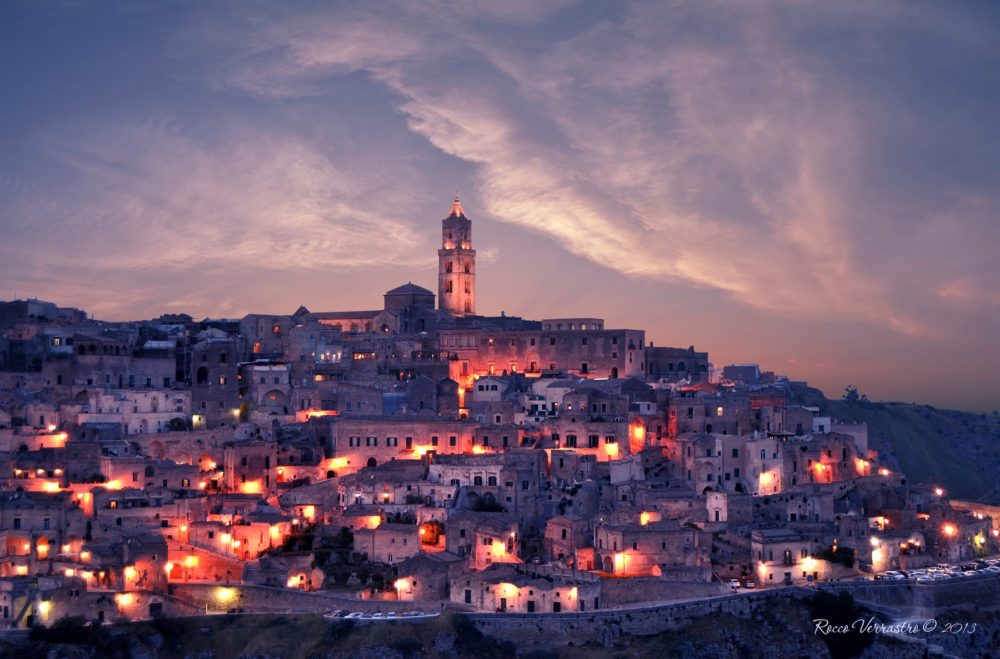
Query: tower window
x=447 y=287
x=447 y=266
x=468 y=269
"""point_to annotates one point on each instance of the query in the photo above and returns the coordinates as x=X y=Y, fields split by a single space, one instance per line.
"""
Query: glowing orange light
x=611 y=449
x=84 y=556
x=338 y=463
x=309 y=511
x=644 y=518
x=123 y=599
x=130 y=572
x=21 y=569
x=883 y=472
x=69 y=572
x=251 y=487
x=421 y=450
x=949 y=530
x=619 y=560
x=315 y=414
x=275 y=531
x=938 y=491
x=478 y=450
x=225 y=538
x=184 y=528
x=399 y=584
x=168 y=568
x=190 y=561
x=51 y=486
x=113 y=485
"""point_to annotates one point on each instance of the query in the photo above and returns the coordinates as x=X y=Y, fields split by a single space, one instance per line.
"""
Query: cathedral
x=411 y=337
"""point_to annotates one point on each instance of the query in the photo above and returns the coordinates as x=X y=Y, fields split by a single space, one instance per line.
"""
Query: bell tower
x=457 y=264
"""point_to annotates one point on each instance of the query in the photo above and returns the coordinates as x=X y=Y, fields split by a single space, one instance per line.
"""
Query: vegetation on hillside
x=958 y=450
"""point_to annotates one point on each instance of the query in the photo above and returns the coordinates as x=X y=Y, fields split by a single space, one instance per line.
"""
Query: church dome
x=409 y=295
x=409 y=289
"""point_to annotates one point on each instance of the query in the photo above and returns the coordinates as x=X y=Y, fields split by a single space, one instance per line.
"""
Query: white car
x=378 y=616
x=353 y=616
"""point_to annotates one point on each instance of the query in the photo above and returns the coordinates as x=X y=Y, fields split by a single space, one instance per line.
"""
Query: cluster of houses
x=423 y=453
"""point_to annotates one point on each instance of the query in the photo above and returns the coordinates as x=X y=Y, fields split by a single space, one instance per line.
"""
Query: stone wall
x=264 y=599
x=645 y=589
x=916 y=600
x=608 y=624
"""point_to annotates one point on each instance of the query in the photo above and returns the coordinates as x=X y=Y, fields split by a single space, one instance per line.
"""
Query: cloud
x=150 y=197
x=676 y=142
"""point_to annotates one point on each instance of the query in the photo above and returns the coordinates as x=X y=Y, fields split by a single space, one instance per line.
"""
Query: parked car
x=354 y=616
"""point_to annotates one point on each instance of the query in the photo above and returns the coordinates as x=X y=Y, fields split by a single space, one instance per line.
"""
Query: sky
x=811 y=186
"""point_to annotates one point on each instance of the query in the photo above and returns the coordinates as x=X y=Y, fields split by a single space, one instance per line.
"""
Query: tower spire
x=456 y=206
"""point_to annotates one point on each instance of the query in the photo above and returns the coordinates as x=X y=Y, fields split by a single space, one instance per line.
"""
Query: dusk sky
x=811 y=186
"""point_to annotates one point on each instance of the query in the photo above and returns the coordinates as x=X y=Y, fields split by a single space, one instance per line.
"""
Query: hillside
x=784 y=629
x=958 y=450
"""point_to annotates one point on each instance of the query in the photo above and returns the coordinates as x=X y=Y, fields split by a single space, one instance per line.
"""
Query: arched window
x=447 y=287
x=372 y=462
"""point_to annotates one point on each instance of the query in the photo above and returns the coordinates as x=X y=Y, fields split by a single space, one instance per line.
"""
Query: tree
x=851 y=395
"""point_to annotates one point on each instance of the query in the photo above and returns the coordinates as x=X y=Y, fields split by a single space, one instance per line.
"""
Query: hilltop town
x=417 y=457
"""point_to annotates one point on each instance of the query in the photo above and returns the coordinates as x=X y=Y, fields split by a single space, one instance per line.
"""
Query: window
x=448 y=266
